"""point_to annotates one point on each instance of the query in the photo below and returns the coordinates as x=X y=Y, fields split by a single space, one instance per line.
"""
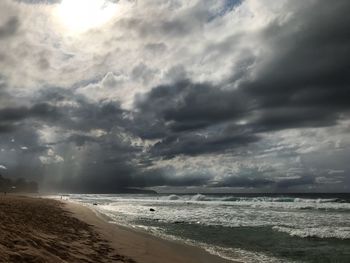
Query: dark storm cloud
x=110 y=162
x=67 y=110
x=125 y=176
x=41 y=110
x=196 y=144
x=77 y=113
x=12 y=118
x=173 y=113
x=305 y=83
x=189 y=106
x=76 y=118
x=110 y=168
x=81 y=140
x=310 y=66
x=157 y=177
x=19 y=150
x=299 y=181
x=9 y=28
x=293 y=117
x=176 y=113
x=258 y=181
x=245 y=182
x=6 y=128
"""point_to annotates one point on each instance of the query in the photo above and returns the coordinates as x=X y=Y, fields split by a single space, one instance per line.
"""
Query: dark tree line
x=17 y=185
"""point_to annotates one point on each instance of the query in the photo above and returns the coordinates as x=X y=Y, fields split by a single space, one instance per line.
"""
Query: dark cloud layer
x=261 y=182
x=191 y=106
x=41 y=110
x=244 y=182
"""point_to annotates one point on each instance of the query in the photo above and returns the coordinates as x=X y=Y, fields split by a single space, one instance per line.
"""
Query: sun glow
x=79 y=16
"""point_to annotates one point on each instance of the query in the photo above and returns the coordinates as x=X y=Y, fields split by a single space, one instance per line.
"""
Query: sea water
x=249 y=228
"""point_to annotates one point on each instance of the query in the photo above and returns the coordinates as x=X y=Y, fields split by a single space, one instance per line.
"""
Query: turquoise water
x=265 y=240
x=247 y=228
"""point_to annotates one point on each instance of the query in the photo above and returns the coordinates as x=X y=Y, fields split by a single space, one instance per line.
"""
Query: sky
x=176 y=95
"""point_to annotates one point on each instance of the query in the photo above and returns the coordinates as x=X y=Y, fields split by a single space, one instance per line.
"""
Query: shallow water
x=308 y=228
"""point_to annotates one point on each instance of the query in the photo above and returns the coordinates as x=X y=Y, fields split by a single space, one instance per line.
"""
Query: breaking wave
x=316 y=232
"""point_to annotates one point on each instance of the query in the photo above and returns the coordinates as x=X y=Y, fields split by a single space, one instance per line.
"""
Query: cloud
x=298 y=181
x=7 y=128
x=177 y=93
x=39 y=1
x=51 y=159
x=41 y=110
x=9 y=28
x=244 y=182
x=197 y=144
x=189 y=104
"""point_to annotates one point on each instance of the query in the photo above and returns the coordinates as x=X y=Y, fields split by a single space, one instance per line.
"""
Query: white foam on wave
x=286 y=221
x=320 y=218
x=241 y=255
x=319 y=232
x=199 y=197
x=173 y=197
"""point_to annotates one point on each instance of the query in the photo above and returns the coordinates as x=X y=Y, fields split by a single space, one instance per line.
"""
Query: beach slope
x=41 y=230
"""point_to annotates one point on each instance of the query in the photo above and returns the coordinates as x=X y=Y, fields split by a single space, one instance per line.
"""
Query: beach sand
x=44 y=230
x=41 y=230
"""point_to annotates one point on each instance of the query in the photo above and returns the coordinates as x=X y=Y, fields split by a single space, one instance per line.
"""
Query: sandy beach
x=43 y=230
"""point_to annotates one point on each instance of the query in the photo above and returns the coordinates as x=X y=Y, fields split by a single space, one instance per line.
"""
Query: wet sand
x=43 y=230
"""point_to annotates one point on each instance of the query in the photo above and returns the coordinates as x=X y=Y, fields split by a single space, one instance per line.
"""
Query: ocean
x=247 y=228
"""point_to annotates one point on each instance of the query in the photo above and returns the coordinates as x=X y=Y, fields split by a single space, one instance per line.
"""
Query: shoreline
x=141 y=246
x=39 y=229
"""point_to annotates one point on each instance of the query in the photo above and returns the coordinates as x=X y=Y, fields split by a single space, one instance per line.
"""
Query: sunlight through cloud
x=79 y=16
